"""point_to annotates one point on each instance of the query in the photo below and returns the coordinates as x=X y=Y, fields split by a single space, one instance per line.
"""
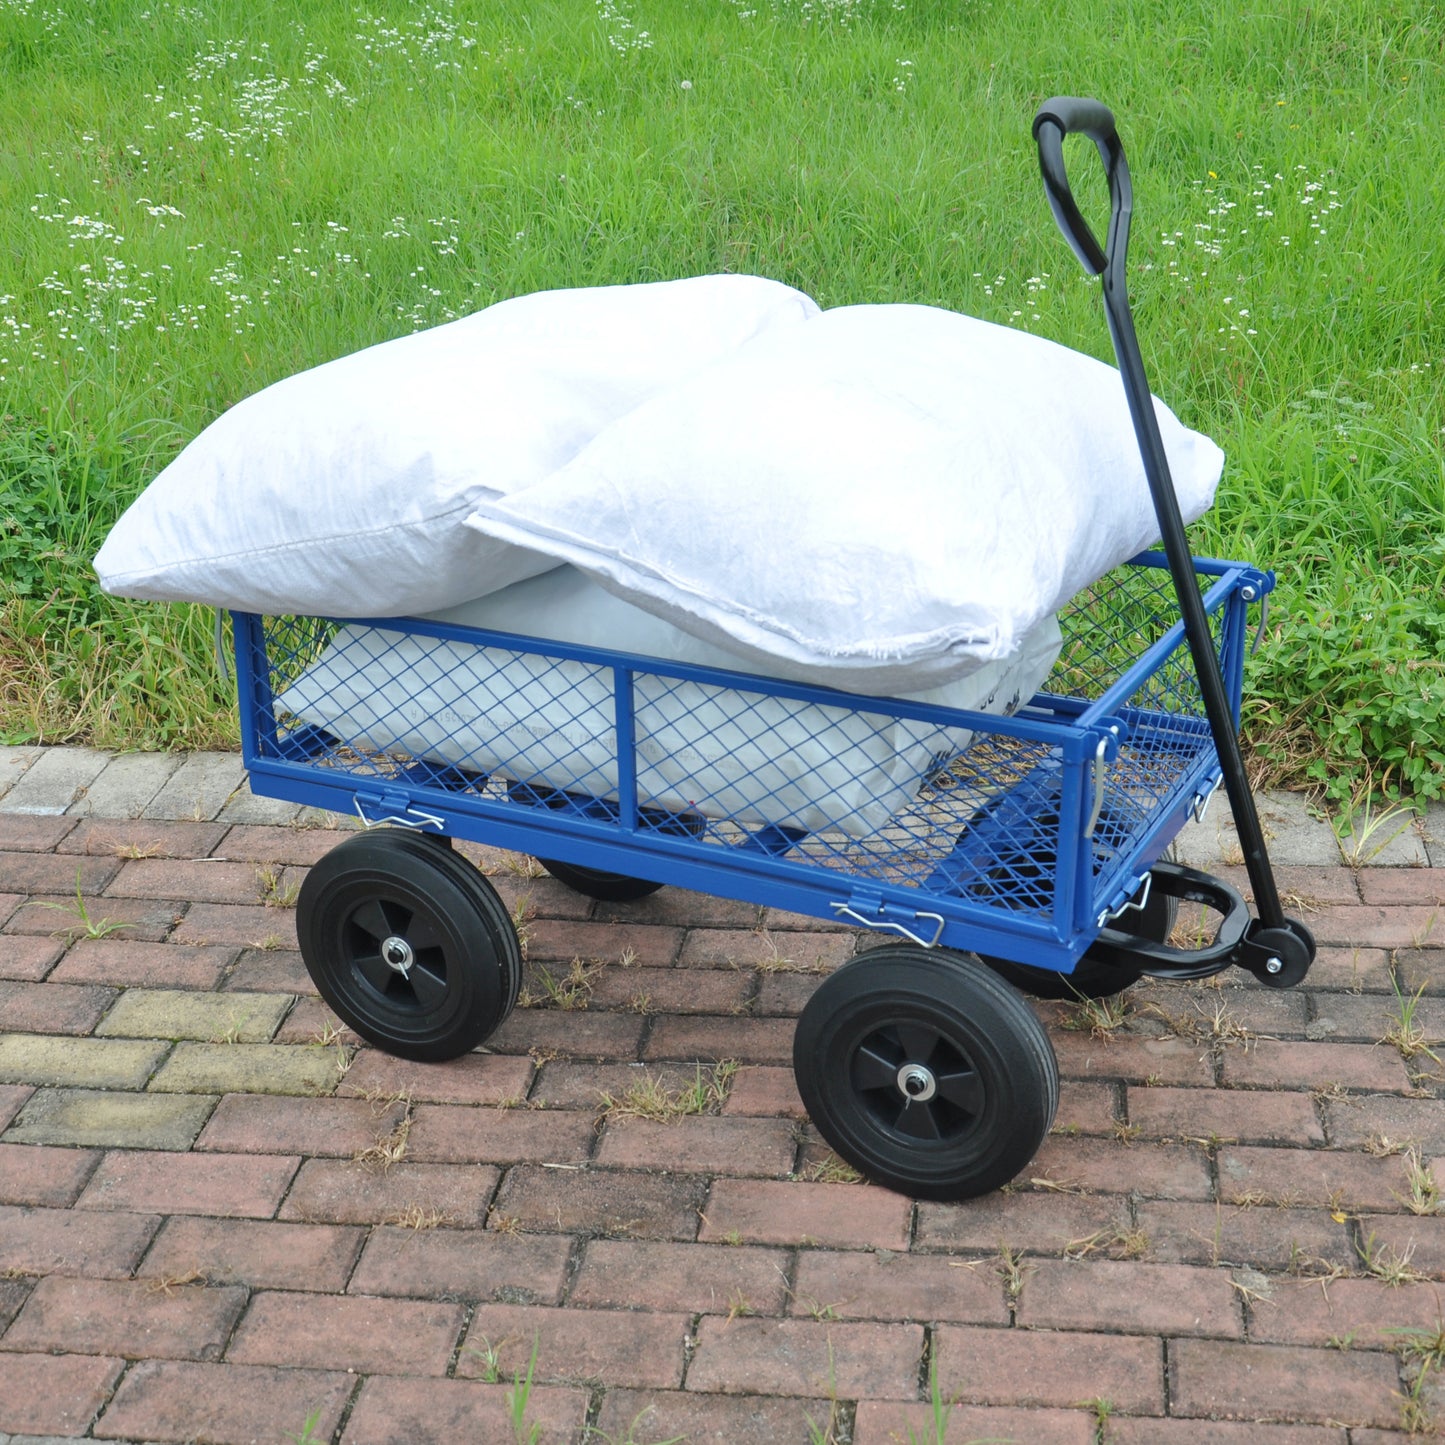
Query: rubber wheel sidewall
x=479 y=889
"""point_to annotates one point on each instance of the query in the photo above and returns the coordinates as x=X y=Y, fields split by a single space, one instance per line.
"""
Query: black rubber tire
x=594 y=883
x=468 y=875
x=995 y=1081
x=466 y=968
x=1091 y=977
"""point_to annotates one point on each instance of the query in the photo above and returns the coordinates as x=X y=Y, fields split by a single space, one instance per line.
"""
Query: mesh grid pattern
x=1109 y=625
x=952 y=812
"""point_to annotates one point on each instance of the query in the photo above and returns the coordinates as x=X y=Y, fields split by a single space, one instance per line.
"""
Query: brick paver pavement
x=223 y=1219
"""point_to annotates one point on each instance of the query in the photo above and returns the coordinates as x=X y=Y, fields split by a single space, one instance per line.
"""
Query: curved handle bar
x=1070 y=115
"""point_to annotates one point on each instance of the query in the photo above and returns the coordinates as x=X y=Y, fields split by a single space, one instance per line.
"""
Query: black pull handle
x=1055 y=119
x=1070 y=115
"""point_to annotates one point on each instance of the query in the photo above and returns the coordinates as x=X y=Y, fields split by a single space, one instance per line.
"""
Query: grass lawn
x=197 y=199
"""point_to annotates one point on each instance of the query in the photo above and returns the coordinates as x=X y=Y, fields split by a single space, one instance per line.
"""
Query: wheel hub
x=397 y=953
x=916 y=1083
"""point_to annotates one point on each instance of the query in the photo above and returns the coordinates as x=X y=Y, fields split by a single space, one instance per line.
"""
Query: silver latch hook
x=844 y=911
x=417 y=820
x=1130 y=904
x=1263 y=620
x=1100 y=772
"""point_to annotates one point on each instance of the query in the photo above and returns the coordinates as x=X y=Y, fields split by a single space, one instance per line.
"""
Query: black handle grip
x=1070 y=115
x=1078 y=114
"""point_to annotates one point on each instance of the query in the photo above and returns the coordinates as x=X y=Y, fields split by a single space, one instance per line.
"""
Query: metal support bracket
x=222 y=665
x=1255 y=582
x=1278 y=957
x=1255 y=586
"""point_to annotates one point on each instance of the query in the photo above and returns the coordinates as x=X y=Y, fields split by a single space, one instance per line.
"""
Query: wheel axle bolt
x=916 y=1083
x=1273 y=965
x=398 y=955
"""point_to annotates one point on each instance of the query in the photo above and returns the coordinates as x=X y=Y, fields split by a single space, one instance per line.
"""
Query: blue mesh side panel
x=966 y=811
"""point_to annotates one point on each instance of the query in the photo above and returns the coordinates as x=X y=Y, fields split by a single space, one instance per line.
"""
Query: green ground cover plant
x=197 y=199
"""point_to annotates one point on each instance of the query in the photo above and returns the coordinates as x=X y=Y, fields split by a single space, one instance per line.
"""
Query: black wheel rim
x=917 y=1084
x=396 y=952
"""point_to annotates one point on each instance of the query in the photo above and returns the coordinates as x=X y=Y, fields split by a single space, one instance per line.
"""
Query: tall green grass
x=257 y=188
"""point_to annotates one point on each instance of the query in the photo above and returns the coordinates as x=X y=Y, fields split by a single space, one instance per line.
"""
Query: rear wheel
x=409 y=944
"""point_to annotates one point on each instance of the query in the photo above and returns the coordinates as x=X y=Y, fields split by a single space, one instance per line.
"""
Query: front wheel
x=926 y=1072
x=1092 y=977
x=595 y=883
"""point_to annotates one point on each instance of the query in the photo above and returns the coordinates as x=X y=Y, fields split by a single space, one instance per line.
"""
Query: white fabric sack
x=888 y=495
x=342 y=490
x=716 y=751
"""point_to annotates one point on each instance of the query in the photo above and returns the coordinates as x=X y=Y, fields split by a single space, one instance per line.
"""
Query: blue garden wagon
x=1031 y=862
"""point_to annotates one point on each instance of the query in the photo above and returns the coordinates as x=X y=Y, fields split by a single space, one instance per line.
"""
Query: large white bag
x=887 y=495
x=715 y=751
x=342 y=490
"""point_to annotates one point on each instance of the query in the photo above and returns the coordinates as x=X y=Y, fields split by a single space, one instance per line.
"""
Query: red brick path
x=1234 y=1220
